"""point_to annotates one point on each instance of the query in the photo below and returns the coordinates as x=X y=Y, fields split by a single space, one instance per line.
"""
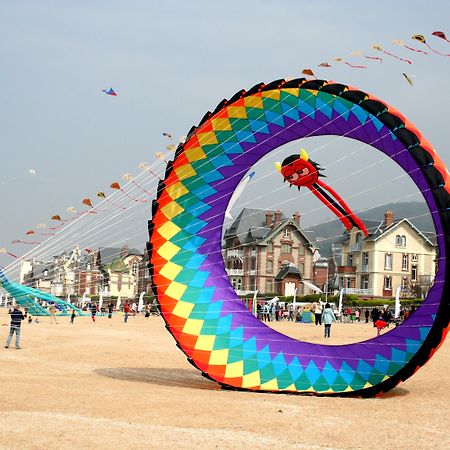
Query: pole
x=326 y=292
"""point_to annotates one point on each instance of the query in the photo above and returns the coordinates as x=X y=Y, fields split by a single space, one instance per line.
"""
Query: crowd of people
x=326 y=313
x=318 y=313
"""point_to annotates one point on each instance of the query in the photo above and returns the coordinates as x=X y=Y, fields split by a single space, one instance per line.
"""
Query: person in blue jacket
x=16 y=320
x=328 y=318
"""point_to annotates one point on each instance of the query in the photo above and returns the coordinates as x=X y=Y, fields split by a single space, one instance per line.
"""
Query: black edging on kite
x=425 y=161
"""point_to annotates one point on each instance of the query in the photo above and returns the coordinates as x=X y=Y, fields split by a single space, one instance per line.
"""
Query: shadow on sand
x=188 y=379
x=165 y=377
x=396 y=392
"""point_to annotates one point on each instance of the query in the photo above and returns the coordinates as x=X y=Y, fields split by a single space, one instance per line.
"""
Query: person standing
x=73 y=315
x=318 y=313
x=126 y=312
x=110 y=309
x=16 y=320
x=328 y=318
x=93 y=311
x=52 y=309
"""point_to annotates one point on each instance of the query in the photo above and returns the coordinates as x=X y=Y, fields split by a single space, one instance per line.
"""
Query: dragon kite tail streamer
x=200 y=307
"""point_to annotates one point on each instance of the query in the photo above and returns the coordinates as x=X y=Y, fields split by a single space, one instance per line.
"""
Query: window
x=239 y=284
x=414 y=273
x=405 y=261
x=388 y=261
x=403 y=241
x=388 y=283
x=269 y=286
x=134 y=268
x=301 y=268
x=398 y=240
x=270 y=247
x=365 y=282
x=350 y=259
x=269 y=266
x=286 y=248
x=365 y=259
x=414 y=257
x=287 y=233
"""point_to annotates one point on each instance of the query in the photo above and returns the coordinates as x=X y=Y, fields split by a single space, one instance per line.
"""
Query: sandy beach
x=120 y=385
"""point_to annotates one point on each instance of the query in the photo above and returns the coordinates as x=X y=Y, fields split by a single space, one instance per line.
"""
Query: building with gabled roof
x=265 y=251
x=109 y=271
x=394 y=254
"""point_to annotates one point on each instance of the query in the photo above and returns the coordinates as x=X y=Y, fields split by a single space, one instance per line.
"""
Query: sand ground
x=119 y=386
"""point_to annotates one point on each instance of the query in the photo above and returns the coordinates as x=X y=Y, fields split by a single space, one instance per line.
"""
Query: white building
x=393 y=254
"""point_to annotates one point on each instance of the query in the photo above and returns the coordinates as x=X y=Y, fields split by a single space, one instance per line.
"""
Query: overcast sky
x=170 y=62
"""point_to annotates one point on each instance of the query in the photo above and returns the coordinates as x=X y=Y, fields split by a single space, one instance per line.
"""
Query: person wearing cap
x=16 y=320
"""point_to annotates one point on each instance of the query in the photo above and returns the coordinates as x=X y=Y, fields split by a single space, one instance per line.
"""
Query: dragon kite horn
x=303 y=154
x=278 y=166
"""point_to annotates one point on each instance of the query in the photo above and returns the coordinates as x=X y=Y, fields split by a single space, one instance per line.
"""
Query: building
x=107 y=271
x=265 y=251
x=394 y=254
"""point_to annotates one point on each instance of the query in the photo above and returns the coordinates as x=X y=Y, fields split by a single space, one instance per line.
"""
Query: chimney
x=296 y=218
x=269 y=218
x=388 y=218
x=278 y=214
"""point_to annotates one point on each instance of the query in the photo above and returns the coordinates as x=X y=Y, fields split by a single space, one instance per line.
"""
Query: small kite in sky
x=145 y=166
x=167 y=135
x=308 y=73
x=110 y=92
x=171 y=148
x=160 y=156
x=19 y=241
x=128 y=177
x=380 y=49
x=117 y=186
x=324 y=64
x=422 y=40
x=440 y=34
x=402 y=44
x=353 y=66
x=409 y=78
x=32 y=171
x=29 y=232
x=360 y=53
x=87 y=202
x=102 y=195
x=7 y=252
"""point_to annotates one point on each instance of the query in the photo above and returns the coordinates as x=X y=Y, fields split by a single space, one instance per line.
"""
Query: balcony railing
x=346 y=269
x=358 y=291
x=365 y=268
x=355 y=247
x=235 y=254
x=235 y=272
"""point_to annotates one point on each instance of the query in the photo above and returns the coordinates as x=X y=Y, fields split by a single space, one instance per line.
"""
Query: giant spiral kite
x=200 y=307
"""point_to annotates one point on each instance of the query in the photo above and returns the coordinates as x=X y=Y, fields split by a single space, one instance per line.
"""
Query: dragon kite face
x=299 y=170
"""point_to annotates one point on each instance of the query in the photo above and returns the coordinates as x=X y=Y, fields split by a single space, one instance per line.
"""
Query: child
x=30 y=318
x=72 y=317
